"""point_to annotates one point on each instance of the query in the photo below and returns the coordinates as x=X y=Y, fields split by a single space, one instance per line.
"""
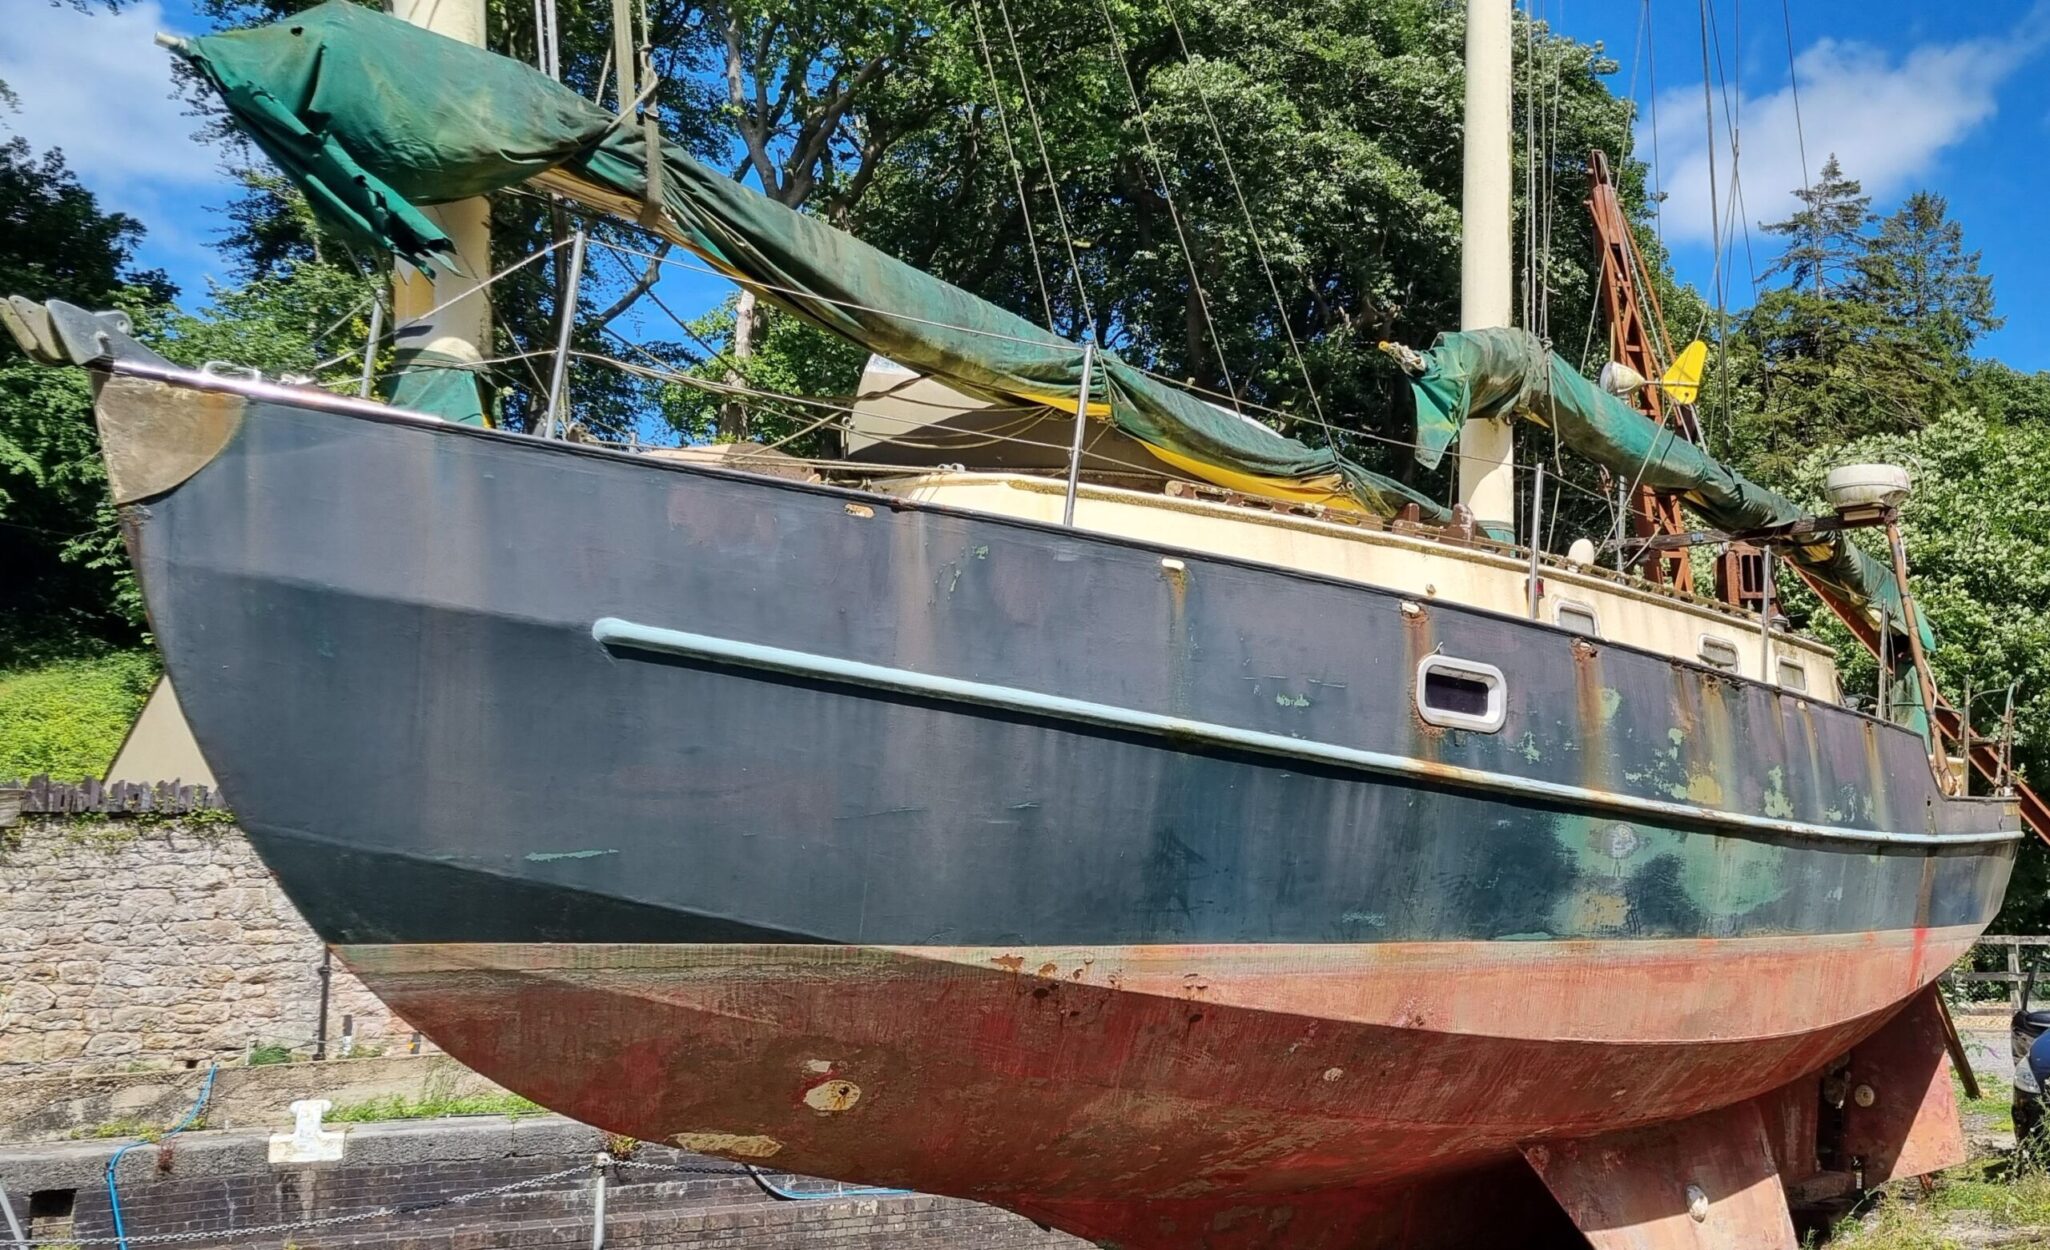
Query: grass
x=262 y=1056
x=433 y=1107
x=116 y=1128
x=67 y=717
x=1983 y=1204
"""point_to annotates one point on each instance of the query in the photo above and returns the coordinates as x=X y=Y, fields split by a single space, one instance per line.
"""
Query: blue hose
x=113 y=1194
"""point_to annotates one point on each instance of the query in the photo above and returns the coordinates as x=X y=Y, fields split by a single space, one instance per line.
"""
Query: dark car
x=2024 y=1030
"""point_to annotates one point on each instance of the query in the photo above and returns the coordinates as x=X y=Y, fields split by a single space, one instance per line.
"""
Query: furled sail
x=1508 y=373
x=372 y=118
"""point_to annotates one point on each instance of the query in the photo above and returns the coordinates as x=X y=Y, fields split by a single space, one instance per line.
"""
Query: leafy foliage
x=67 y=718
x=66 y=576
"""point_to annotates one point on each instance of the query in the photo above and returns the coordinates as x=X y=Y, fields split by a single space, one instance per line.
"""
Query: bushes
x=67 y=718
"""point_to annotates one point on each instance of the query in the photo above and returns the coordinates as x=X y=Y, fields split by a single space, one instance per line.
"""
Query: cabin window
x=1793 y=675
x=1577 y=617
x=1460 y=694
x=1718 y=653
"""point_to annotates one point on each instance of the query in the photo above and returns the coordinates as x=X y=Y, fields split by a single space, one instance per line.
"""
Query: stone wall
x=129 y=942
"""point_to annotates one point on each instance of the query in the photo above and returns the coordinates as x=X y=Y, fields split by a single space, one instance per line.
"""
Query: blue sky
x=1909 y=95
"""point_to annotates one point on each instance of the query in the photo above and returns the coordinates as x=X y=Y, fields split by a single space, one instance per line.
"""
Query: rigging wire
x=1117 y=46
x=391 y=330
x=1651 y=91
x=1245 y=209
x=1046 y=162
x=1056 y=344
x=1016 y=167
x=1794 y=85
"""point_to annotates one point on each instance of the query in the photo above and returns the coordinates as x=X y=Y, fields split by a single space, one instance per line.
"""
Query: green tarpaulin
x=1508 y=374
x=373 y=118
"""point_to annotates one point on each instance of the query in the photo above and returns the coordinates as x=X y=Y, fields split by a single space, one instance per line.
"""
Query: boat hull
x=1074 y=1085
x=648 y=788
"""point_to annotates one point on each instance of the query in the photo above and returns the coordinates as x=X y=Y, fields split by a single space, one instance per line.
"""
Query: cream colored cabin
x=1582 y=598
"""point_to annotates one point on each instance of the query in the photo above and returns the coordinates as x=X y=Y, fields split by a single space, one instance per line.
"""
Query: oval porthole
x=1718 y=653
x=1577 y=617
x=1460 y=694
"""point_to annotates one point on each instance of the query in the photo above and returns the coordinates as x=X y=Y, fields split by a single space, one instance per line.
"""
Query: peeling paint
x=543 y=857
x=1776 y=801
x=832 y=1096
x=746 y=1146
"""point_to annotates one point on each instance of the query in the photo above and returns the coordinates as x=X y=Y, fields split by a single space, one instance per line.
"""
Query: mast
x=459 y=331
x=1487 y=451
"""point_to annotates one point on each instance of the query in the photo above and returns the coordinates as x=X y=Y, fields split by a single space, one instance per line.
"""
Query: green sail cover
x=1508 y=373
x=373 y=117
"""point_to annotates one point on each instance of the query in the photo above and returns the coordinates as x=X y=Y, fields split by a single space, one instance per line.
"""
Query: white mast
x=1487 y=451
x=463 y=328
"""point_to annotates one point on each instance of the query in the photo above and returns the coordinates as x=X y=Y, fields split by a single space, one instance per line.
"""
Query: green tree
x=1878 y=339
x=1825 y=239
x=1917 y=273
x=67 y=582
x=1977 y=531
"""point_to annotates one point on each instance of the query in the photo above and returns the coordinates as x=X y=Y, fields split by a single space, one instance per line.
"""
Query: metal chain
x=700 y=1169
x=353 y=1217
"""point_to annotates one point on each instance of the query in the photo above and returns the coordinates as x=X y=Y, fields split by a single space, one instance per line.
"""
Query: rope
x=1166 y=194
x=1252 y=229
x=1046 y=163
x=996 y=92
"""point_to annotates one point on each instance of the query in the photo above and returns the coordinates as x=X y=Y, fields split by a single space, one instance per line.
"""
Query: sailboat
x=1278 y=858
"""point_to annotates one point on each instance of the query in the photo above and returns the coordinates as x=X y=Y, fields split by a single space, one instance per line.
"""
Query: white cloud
x=1886 y=118
x=94 y=85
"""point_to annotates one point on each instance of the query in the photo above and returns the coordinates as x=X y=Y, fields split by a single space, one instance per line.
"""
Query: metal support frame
x=13 y=1225
x=1632 y=343
x=558 y=378
x=1081 y=422
x=1537 y=518
x=1765 y=672
x=370 y=347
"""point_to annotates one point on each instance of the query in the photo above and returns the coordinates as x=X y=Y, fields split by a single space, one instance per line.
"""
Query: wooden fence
x=2009 y=951
x=42 y=796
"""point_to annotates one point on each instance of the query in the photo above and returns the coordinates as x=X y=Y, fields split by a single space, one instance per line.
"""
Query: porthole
x=1577 y=617
x=1719 y=653
x=1794 y=676
x=1460 y=694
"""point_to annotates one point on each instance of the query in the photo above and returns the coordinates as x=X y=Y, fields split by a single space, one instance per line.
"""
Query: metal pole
x=1622 y=492
x=1537 y=517
x=1081 y=420
x=598 y=1204
x=1922 y=673
x=1885 y=664
x=2003 y=785
x=13 y=1225
x=558 y=381
x=1765 y=588
x=327 y=975
x=370 y=348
